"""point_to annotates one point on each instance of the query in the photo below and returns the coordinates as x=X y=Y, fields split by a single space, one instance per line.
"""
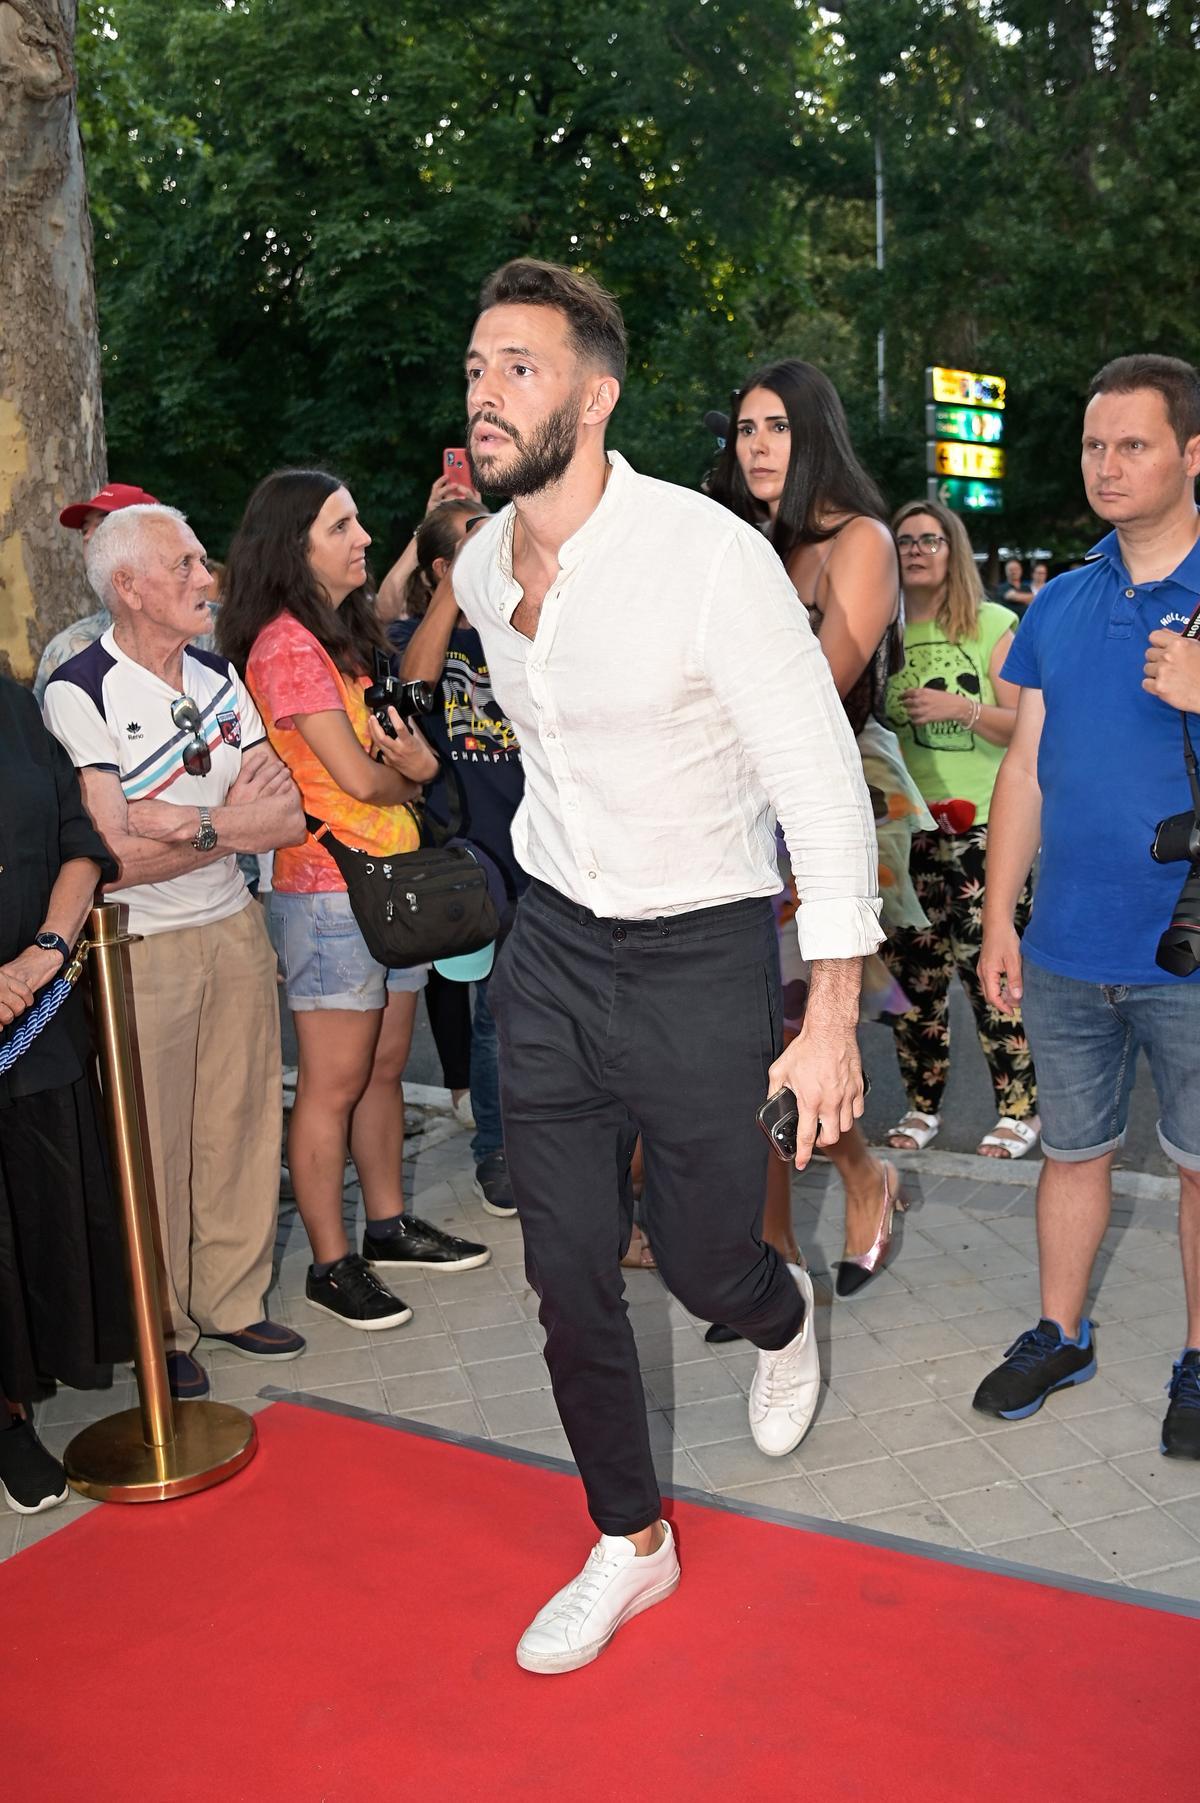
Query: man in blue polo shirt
x=1096 y=760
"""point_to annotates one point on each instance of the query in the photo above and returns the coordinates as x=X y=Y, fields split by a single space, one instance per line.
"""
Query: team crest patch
x=231 y=729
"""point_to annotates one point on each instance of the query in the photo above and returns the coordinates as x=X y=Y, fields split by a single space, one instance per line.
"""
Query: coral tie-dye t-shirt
x=289 y=672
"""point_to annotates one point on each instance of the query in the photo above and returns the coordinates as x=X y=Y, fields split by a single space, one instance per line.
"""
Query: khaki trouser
x=207 y=1013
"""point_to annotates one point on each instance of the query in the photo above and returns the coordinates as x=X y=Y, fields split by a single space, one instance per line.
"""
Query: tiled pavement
x=1079 y=1489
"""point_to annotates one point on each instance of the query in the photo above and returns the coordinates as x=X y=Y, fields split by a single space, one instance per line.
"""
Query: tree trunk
x=51 y=424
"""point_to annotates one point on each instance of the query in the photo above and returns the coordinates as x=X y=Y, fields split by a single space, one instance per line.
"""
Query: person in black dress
x=64 y=1314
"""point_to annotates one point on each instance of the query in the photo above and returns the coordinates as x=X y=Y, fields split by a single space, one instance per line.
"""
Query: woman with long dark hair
x=789 y=468
x=297 y=616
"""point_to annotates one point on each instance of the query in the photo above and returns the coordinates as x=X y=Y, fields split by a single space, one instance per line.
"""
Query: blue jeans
x=485 y=1079
x=1085 y=1039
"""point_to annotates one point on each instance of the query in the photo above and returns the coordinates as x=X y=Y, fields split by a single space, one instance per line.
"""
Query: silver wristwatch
x=206 y=837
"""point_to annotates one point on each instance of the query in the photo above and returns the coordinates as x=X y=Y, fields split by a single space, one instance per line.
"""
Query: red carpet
x=336 y=1625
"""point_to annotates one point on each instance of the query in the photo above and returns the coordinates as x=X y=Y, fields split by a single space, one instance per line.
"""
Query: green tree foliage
x=296 y=199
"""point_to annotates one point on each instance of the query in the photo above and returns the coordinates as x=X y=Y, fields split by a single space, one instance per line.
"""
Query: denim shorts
x=1085 y=1038
x=324 y=958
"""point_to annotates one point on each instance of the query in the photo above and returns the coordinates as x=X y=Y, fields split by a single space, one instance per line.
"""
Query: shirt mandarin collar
x=573 y=548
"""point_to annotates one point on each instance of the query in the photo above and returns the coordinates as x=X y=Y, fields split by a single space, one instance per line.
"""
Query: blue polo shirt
x=1110 y=767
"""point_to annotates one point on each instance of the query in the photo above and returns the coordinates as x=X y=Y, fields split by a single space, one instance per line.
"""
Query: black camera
x=1179 y=947
x=410 y=699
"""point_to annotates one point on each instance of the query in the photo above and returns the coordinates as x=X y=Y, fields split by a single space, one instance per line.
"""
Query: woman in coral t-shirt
x=298 y=617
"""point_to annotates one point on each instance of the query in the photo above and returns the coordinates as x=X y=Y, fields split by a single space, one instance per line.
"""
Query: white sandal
x=922 y=1129
x=1024 y=1136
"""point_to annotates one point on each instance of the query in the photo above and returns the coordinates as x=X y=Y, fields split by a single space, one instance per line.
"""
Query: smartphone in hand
x=779 y=1118
x=455 y=467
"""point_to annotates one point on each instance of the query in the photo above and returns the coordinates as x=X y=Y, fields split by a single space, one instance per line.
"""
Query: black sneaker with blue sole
x=1181 y=1424
x=1037 y=1364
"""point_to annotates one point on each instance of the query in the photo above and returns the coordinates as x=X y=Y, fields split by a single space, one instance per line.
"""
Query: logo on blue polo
x=231 y=729
x=1174 y=619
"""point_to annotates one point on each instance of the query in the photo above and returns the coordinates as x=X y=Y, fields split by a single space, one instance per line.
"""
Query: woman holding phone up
x=297 y=615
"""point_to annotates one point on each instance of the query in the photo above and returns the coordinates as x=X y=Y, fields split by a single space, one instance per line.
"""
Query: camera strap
x=1191 y=631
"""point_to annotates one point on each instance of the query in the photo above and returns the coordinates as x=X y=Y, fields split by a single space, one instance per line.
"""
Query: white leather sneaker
x=783 y=1395
x=615 y=1585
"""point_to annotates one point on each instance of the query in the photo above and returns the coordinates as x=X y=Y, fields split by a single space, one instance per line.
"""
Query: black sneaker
x=416 y=1246
x=31 y=1479
x=1181 y=1424
x=492 y=1185
x=351 y=1291
x=1035 y=1365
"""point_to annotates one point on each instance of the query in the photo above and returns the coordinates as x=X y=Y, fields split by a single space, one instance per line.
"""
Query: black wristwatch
x=54 y=942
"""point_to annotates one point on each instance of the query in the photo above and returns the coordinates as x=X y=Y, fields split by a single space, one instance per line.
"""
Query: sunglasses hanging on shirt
x=197 y=759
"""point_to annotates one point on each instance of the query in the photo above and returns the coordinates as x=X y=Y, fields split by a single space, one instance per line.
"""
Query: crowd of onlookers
x=194 y=739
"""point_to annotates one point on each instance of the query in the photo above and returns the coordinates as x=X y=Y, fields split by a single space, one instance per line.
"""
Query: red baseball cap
x=112 y=496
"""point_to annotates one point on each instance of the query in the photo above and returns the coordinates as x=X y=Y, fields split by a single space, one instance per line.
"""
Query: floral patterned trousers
x=947 y=873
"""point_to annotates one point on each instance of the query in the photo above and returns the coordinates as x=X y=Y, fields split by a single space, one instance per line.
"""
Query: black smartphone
x=779 y=1118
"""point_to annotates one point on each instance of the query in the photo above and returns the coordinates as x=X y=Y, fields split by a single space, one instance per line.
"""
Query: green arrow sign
x=970 y=425
x=964 y=495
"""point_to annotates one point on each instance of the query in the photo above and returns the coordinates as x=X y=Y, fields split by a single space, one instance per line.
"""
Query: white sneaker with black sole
x=786 y=1384
x=351 y=1292
x=580 y=1619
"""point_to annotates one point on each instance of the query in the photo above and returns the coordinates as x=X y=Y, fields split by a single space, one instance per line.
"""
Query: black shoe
x=31 y=1479
x=720 y=1335
x=492 y=1185
x=186 y=1377
x=351 y=1291
x=1035 y=1365
x=1181 y=1424
x=416 y=1246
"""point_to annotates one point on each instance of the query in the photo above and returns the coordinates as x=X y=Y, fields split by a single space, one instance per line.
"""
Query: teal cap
x=471 y=967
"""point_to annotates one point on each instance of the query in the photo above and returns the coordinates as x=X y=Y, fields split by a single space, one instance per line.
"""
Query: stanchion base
x=111 y=1462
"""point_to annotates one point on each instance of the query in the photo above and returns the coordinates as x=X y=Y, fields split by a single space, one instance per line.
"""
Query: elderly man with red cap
x=83 y=517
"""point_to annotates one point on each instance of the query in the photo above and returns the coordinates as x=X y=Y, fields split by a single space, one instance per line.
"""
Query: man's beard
x=537 y=462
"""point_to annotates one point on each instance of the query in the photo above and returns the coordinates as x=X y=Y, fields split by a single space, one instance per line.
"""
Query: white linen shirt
x=673 y=701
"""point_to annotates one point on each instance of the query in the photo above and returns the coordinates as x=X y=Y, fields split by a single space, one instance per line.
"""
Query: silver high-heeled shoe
x=854 y=1272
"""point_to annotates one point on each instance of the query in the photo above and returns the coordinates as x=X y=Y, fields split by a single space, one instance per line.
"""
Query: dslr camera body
x=411 y=700
x=1175 y=839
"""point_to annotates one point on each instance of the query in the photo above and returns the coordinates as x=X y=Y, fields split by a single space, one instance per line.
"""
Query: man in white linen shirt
x=670 y=698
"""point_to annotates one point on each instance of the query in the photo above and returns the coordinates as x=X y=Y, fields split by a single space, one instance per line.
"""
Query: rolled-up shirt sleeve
x=765 y=666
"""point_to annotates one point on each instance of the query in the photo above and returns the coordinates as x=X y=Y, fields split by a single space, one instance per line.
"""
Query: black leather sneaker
x=1035 y=1365
x=351 y=1291
x=30 y=1478
x=492 y=1185
x=415 y=1245
x=1181 y=1424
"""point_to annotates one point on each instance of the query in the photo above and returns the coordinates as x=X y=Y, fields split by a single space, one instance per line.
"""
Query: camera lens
x=1179 y=948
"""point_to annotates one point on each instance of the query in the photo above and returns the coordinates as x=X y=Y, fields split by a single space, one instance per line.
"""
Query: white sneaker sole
x=396 y=1320
x=428 y=1264
x=550 y=1664
x=259 y=1358
x=47 y=1502
x=490 y=1208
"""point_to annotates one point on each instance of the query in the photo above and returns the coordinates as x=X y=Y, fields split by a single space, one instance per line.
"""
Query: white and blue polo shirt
x=113 y=714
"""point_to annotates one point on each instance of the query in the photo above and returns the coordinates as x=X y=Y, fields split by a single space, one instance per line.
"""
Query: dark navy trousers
x=608 y=1029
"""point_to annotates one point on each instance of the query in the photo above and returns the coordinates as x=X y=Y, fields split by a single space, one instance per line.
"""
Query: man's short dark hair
x=594 y=322
x=1176 y=381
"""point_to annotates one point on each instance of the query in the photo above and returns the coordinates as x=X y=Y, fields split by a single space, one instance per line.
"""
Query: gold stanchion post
x=163 y=1448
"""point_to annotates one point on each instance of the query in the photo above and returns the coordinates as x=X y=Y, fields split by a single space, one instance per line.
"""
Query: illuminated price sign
x=965 y=387
x=970 y=424
x=966 y=496
x=984 y=462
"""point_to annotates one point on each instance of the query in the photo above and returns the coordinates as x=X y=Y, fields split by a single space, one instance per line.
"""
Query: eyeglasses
x=197 y=759
x=929 y=542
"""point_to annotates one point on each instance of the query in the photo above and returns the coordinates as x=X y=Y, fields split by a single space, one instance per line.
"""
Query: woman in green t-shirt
x=953 y=714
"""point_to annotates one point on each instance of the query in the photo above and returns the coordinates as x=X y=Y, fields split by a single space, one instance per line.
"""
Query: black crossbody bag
x=418 y=905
